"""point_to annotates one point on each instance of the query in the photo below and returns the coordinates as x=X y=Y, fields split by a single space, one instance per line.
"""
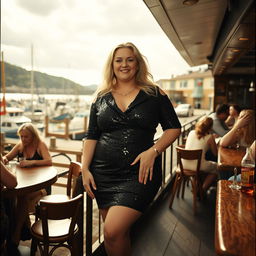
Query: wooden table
x=234 y=222
x=228 y=158
x=32 y=179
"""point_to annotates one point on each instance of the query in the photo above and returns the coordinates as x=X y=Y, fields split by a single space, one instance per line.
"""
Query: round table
x=32 y=179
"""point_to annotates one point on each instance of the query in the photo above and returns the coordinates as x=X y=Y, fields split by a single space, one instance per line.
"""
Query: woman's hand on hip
x=146 y=159
x=88 y=183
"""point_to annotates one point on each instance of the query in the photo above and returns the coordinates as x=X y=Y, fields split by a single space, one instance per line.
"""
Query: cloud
x=39 y=7
x=72 y=38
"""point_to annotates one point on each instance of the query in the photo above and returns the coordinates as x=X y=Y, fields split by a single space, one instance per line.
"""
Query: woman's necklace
x=124 y=94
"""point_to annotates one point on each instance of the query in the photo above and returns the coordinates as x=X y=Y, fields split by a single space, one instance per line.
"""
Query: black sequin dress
x=121 y=137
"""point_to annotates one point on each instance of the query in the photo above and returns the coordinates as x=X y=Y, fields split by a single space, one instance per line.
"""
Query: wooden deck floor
x=176 y=232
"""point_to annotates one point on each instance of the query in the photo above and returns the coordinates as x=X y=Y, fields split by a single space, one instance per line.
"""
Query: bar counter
x=234 y=222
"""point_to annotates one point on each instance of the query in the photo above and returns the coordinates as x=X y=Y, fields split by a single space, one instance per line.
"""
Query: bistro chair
x=56 y=226
x=73 y=173
x=183 y=176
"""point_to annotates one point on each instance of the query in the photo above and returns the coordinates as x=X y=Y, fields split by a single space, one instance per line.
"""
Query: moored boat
x=12 y=120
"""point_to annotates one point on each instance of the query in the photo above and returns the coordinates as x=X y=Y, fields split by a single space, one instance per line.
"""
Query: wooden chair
x=56 y=226
x=73 y=173
x=183 y=176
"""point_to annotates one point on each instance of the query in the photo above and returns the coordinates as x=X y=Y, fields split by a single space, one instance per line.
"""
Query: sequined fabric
x=121 y=137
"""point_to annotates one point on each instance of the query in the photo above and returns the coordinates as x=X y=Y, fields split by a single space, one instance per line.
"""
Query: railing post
x=88 y=235
x=66 y=121
x=46 y=130
x=2 y=138
x=52 y=142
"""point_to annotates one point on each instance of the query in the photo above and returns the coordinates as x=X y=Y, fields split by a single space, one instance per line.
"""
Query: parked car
x=184 y=110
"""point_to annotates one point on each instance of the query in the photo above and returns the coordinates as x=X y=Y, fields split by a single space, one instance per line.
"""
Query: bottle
x=247 y=173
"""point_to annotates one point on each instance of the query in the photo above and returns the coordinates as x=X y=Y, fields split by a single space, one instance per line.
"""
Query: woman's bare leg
x=22 y=213
x=118 y=221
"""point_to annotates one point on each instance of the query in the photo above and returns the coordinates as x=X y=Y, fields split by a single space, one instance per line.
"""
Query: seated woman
x=234 y=111
x=30 y=151
x=201 y=138
x=243 y=132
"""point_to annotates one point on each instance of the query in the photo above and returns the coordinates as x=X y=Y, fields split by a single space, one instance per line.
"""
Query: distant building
x=195 y=88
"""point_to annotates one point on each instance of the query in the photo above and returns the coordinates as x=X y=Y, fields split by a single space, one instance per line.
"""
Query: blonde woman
x=121 y=165
x=31 y=150
x=243 y=132
x=201 y=138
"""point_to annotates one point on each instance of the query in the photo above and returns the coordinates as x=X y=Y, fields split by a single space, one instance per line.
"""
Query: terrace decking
x=176 y=232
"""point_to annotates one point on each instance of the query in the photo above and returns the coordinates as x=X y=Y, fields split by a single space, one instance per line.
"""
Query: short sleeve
x=93 y=132
x=168 y=117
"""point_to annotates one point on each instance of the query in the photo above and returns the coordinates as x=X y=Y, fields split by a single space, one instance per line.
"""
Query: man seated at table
x=219 y=128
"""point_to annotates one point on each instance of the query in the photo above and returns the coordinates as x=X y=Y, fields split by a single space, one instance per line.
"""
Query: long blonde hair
x=248 y=132
x=33 y=131
x=143 y=78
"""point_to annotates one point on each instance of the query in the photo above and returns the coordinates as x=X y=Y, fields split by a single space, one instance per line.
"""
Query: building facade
x=195 y=88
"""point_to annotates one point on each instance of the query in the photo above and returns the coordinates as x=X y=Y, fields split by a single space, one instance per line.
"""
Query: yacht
x=12 y=120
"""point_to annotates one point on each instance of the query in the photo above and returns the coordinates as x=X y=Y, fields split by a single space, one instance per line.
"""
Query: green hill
x=17 y=80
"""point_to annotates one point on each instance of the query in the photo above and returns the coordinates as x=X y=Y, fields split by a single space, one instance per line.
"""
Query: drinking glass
x=234 y=184
x=12 y=166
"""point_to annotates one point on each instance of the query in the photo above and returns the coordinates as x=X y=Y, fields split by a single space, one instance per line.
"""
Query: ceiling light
x=251 y=89
x=190 y=2
x=243 y=39
x=235 y=50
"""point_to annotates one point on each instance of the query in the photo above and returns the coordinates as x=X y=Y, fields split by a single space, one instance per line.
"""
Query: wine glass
x=234 y=184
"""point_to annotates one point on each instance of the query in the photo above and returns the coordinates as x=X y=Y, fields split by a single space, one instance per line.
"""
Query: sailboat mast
x=32 y=82
x=3 y=102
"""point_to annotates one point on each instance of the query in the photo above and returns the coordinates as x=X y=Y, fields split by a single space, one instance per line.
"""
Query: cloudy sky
x=72 y=38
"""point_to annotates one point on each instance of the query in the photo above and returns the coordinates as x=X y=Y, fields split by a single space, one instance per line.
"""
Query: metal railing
x=93 y=237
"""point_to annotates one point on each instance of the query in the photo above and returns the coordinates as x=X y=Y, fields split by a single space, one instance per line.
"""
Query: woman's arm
x=88 y=152
x=167 y=138
x=230 y=121
x=147 y=158
x=7 y=178
x=232 y=136
x=12 y=154
x=213 y=146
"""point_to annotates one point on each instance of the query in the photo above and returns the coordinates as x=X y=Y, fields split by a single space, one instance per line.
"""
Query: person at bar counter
x=30 y=151
x=121 y=165
x=219 y=117
x=201 y=138
x=243 y=131
x=234 y=111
